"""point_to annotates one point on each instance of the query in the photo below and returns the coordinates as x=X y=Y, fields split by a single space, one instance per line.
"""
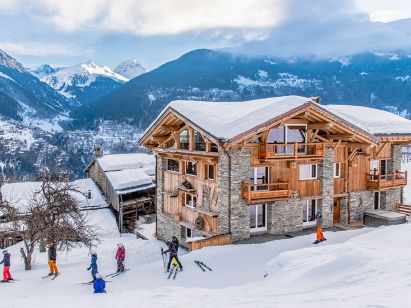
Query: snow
x=6 y=76
x=130 y=69
x=21 y=194
x=406 y=166
x=350 y=268
x=117 y=162
x=130 y=179
x=284 y=80
x=374 y=121
x=403 y=78
x=228 y=119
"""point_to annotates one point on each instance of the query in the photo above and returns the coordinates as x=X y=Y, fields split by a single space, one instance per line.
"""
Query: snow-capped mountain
x=22 y=95
x=130 y=69
x=83 y=82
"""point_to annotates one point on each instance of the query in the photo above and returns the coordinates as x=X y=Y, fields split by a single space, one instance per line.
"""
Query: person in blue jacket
x=93 y=266
x=99 y=285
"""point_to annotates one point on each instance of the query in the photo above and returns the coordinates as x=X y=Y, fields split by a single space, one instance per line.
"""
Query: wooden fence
x=217 y=240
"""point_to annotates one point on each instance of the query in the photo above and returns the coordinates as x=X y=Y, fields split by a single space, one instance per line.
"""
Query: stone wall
x=360 y=201
x=326 y=175
x=390 y=199
x=285 y=216
x=239 y=218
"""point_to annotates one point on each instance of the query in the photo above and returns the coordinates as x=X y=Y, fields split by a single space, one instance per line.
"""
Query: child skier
x=320 y=234
x=93 y=266
x=99 y=285
x=52 y=254
x=6 y=266
x=172 y=249
x=120 y=256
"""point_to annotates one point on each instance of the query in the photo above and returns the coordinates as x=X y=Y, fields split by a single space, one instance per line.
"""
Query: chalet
x=127 y=181
x=235 y=169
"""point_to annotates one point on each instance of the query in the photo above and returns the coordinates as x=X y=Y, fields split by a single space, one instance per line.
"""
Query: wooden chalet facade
x=267 y=166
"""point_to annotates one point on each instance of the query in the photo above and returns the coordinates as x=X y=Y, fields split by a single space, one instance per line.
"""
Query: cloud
x=41 y=49
x=148 y=17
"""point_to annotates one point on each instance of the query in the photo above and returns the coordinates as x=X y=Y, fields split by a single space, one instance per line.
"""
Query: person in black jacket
x=6 y=266
x=52 y=254
x=172 y=249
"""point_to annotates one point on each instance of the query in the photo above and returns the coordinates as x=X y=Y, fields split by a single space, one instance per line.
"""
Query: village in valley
x=226 y=177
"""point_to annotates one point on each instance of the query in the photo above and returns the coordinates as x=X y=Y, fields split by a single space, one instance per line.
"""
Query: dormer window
x=184 y=140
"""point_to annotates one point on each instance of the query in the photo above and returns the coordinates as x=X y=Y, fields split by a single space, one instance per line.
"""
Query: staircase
x=404 y=209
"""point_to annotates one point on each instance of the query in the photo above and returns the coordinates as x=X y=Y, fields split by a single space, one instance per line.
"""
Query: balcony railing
x=386 y=180
x=252 y=192
x=291 y=150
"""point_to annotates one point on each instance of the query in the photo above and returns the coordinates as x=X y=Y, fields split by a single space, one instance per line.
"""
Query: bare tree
x=53 y=214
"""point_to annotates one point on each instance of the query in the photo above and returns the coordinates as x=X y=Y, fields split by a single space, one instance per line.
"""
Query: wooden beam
x=191 y=138
x=315 y=134
x=159 y=139
x=352 y=155
x=382 y=148
x=338 y=143
x=322 y=138
x=340 y=136
x=319 y=125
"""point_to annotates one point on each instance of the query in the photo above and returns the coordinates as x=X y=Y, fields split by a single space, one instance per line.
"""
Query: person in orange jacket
x=320 y=234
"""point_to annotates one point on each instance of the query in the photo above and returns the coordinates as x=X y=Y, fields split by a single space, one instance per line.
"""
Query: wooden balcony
x=292 y=150
x=252 y=192
x=378 y=181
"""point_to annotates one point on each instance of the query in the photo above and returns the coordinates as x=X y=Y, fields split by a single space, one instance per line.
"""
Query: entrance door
x=336 y=210
x=258 y=217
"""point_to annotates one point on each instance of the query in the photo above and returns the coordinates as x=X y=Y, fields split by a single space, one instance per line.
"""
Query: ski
x=198 y=264
x=202 y=263
x=171 y=272
x=117 y=273
x=175 y=273
x=44 y=277
x=55 y=276
x=90 y=283
x=8 y=281
x=317 y=242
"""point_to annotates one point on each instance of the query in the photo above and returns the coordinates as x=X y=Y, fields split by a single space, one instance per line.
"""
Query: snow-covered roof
x=117 y=162
x=374 y=121
x=21 y=194
x=226 y=120
x=131 y=179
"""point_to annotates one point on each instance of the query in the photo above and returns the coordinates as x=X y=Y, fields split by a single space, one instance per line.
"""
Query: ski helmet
x=4 y=252
x=93 y=253
x=174 y=237
x=119 y=244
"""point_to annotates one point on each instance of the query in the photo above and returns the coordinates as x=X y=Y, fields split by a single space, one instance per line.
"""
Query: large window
x=259 y=175
x=308 y=172
x=173 y=165
x=190 y=200
x=199 y=142
x=209 y=172
x=258 y=217
x=184 y=140
x=288 y=134
x=337 y=170
x=190 y=168
x=309 y=210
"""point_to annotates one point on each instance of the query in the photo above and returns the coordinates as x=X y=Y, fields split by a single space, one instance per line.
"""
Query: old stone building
x=267 y=166
x=127 y=181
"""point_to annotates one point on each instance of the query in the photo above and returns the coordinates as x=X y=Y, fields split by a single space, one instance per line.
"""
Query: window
x=259 y=175
x=189 y=233
x=258 y=217
x=190 y=200
x=308 y=172
x=173 y=165
x=184 y=140
x=289 y=133
x=191 y=168
x=214 y=147
x=199 y=142
x=186 y=232
x=337 y=170
x=210 y=172
x=377 y=200
x=309 y=210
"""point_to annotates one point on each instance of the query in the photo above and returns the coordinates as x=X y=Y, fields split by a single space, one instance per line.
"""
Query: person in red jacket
x=120 y=256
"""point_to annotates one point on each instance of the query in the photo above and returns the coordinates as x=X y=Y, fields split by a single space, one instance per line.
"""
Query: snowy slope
x=130 y=69
x=349 y=269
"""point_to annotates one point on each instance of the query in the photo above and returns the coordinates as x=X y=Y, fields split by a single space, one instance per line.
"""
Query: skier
x=6 y=266
x=93 y=266
x=172 y=249
x=99 y=285
x=320 y=234
x=52 y=253
x=120 y=256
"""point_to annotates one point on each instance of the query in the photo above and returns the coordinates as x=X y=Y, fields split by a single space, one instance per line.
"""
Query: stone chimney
x=97 y=151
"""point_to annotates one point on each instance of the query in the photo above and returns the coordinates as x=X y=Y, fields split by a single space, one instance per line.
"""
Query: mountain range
x=52 y=117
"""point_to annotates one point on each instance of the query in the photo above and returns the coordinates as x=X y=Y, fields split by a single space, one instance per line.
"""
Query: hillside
x=350 y=267
x=378 y=80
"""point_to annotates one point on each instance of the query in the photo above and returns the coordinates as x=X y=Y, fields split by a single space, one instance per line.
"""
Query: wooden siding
x=218 y=240
x=358 y=171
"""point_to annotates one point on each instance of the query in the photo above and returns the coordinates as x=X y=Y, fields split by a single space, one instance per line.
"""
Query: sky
x=66 y=32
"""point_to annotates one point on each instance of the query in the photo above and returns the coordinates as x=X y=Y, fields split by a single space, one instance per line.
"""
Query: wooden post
x=249 y=191
x=191 y=139
x=295 y=150
x=177 y=139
